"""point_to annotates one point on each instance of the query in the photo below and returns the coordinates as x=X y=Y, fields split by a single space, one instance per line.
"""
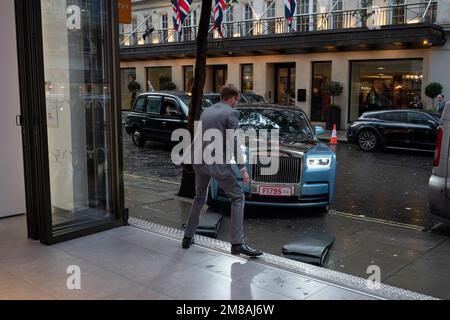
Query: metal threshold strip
x=338 y=279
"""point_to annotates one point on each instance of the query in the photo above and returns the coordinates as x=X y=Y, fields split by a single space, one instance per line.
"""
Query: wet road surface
x=389 y=184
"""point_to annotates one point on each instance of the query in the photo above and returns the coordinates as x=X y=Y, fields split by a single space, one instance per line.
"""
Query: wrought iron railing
x=370 y=17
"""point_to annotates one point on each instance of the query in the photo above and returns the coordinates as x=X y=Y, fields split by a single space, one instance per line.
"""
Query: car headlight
x=319 y=162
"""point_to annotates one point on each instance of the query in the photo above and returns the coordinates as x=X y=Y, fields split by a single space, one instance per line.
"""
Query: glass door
x=320 y=98
x=219 y=77
x=79 y=126
x=285 y=84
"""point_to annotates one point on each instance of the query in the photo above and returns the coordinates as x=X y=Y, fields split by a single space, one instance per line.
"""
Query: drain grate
x=335 y=278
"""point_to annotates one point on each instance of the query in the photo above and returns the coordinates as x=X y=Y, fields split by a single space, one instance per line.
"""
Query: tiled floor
x=129 y=263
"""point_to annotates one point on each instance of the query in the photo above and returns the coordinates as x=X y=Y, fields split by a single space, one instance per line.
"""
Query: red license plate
x=275 y=191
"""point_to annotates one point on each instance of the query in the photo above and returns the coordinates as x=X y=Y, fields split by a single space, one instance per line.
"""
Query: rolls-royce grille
x=288 y=171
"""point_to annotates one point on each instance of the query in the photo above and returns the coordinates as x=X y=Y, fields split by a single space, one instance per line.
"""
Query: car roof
x=267 y=106
x=369 y=113
x=164 y=92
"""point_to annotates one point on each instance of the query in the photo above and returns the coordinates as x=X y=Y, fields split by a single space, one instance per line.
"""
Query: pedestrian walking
x=221 y=117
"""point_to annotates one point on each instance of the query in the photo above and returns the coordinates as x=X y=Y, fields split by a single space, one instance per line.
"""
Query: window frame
x=146 y=104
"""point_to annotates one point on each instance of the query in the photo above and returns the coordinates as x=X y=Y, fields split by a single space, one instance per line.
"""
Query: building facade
x=384 y=53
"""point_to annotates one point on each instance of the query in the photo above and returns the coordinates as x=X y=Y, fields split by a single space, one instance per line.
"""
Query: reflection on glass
x=78 y=103
x=385 y=84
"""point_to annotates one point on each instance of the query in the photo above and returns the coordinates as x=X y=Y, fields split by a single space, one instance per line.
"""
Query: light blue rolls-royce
x=307 y=167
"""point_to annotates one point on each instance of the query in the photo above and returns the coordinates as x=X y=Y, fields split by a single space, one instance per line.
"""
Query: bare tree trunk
x=187 y=188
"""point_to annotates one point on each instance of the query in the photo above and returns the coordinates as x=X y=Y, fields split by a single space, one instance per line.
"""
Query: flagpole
x=137 y=28
x=329 y=13
x=258 y=20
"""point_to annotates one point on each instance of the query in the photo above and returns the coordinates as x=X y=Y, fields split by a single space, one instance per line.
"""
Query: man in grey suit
x=441 y=104
x=220 y=117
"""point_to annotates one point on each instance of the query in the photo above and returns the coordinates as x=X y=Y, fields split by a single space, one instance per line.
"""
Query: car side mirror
x=319 y=130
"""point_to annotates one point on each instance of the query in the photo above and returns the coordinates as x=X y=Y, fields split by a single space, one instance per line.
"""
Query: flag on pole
x=184 y=7
x=289 y=10
x=175 y=14
x=180 y=10
x=219 y=11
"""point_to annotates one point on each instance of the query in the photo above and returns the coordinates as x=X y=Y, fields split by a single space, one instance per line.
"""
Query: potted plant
x=134 y=87
x=165 y=83
x=433 y=89
x=334 y=89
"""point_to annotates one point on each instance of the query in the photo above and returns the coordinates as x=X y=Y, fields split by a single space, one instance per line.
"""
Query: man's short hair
x=228 y=91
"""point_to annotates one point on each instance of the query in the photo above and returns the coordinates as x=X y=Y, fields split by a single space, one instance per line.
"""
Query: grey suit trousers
x=231 y=188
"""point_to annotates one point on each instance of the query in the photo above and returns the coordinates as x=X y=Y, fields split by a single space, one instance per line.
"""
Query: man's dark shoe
x=244 y=249
x=187 y=242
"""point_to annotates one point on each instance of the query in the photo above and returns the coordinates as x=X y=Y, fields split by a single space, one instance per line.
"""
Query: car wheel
x=368 y=140
x=138 y=140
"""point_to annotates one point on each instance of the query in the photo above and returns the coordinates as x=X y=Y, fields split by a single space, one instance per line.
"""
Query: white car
x=439 y=185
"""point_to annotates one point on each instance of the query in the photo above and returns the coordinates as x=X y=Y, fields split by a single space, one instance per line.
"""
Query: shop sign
x=125 y=11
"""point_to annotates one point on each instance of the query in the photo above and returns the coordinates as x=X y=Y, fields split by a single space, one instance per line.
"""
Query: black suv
x=155 y=115
x=404 y=128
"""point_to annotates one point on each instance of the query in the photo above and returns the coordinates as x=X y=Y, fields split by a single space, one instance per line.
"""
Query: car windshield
x=287 y=121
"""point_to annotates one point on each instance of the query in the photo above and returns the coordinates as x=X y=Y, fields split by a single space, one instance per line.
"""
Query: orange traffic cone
x=333 y=139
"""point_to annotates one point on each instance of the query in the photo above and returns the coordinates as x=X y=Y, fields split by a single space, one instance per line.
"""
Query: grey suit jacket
x=219 y=117
x=441 y=106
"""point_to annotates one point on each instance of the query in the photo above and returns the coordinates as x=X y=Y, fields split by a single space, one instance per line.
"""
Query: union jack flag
x=180 y=10
x=219 y=11
x=289 y=10
x=175 y=14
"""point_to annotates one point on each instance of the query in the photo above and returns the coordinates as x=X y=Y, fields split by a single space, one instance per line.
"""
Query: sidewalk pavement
x=408 y=257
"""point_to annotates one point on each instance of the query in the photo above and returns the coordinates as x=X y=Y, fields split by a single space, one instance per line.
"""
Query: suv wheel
x=368 y=140
x=137 y=138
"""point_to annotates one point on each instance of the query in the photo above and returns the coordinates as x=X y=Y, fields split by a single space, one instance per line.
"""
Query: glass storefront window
x=159 y=78
x=385 y=84
x=188 y=72
x=320 y=98
x=126 y=76
x=246 y=77
x=78 y=101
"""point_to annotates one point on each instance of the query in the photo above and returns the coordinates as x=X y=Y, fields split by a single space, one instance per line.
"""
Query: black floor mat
x=309 y=247
x=209 y=225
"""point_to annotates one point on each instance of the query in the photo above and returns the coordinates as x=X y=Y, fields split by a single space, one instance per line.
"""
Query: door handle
x=144 y=121
x=19 y=120
x=164 y=123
